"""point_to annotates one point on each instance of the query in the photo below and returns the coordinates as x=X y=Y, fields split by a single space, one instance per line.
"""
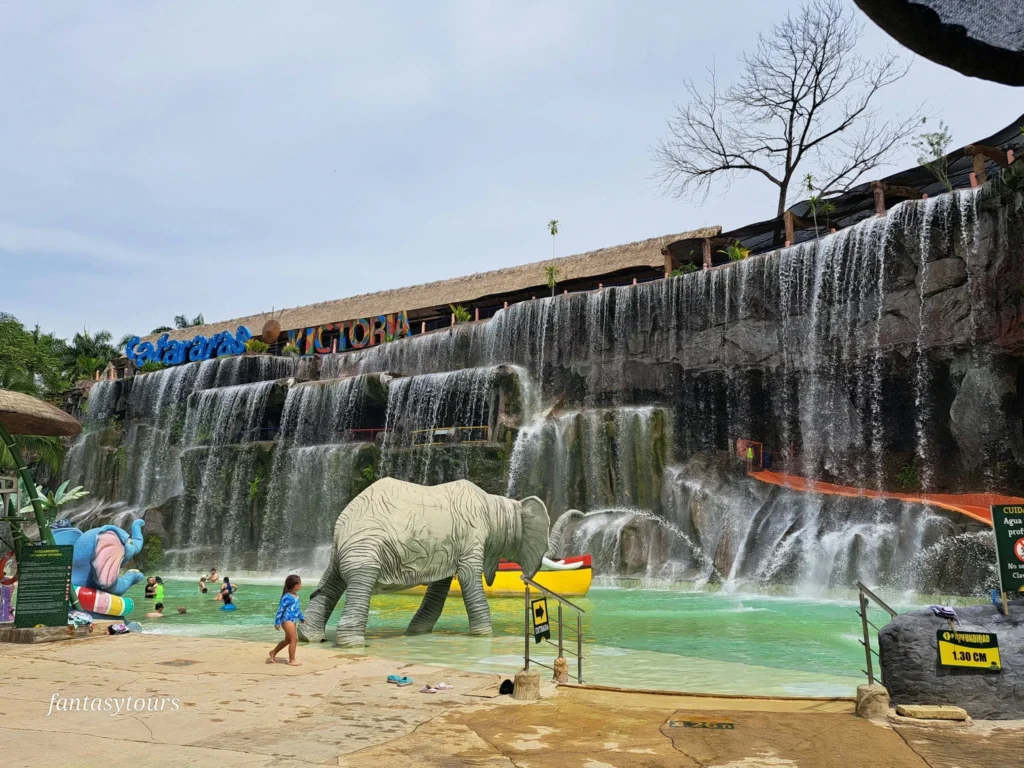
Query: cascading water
x=850 y=359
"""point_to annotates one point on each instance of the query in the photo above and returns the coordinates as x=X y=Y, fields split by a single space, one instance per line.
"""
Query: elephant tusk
x=551 y=565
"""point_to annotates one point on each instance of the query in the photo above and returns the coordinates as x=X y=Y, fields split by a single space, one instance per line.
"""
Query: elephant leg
x=322 y=604
x=476 y=601
x=430 y=609
x=352 y=625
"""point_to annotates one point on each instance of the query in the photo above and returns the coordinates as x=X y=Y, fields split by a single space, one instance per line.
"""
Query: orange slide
x=974 y=505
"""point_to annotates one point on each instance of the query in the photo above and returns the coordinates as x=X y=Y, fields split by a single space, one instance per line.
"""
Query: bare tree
x=805 y=97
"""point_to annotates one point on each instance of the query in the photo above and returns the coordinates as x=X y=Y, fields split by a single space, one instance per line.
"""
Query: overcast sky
x=226 y=157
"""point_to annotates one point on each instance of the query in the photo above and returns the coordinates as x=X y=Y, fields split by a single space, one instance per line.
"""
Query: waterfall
x=841 y=356
x=433 y=418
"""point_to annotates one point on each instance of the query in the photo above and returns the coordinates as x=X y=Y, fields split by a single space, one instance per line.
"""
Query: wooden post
x=668 y=261
x=477 y=313
x=787 y=220
x=1009 y=156
x=1006 y=610
x=879 y=191
x=974 y=179
x=705 y=247
x=423 y=327
x=978 y=160
x=453 y=319
x=334 y=345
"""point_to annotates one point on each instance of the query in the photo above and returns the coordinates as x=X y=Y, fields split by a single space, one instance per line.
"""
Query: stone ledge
x=931 y=712
x=41 y=634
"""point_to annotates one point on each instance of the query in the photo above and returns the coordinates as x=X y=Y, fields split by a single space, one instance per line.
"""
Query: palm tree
x=553 y=230
x=88 y=353
x=181 y=321
x=48 y=451
x=551 y=273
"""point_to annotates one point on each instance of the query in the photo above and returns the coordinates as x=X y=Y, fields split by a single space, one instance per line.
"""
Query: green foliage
x=256 y=483
x=151 y=365
x=906 y=478
x=553 y=227
x=461 y=313
x=181 y=321
x=736 y=252
x=684 y=269
x=256 y=345
x=54 y=500
x=31 y=362
x=932 y=148
x=152 y=553
x=88 y=353
x=48 y=451
x=551 y=276
x=369 y=473
x=290 y=349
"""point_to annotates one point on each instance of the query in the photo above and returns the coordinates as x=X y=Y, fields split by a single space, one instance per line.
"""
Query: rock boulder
x=911 y=671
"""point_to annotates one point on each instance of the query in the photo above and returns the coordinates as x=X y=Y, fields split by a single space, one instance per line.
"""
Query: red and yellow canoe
x=572 y=579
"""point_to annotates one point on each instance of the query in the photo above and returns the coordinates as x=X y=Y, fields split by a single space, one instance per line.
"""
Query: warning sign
x=1008 y=526
x=978 y=650
x=541 y=627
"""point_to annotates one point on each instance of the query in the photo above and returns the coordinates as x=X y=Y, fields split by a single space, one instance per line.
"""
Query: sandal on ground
x=444 y=687
x=403 y=681
x=393 y=678
x=428 y=689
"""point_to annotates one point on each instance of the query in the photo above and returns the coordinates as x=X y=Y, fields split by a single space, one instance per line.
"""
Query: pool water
x=640 y=638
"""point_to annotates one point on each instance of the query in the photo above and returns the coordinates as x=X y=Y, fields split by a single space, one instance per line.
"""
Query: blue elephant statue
x=96 y=566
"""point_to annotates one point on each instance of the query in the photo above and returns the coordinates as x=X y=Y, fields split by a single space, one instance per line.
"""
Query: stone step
x=931 y=712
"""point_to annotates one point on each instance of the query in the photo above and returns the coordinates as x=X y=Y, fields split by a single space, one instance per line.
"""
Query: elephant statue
x=96 y=566
x=395 y=535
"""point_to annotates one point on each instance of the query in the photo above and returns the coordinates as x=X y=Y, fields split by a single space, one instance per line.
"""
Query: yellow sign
x=978 y=650
x=716 y=725
x=541 y=627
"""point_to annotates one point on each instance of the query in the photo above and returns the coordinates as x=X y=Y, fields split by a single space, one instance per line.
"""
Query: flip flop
x=428 y=689
x=444 y=687
x=393 y=678
x=403 y=681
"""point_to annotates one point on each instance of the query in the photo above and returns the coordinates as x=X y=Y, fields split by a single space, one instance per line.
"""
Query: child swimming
x=202 y=584
x=287 y=613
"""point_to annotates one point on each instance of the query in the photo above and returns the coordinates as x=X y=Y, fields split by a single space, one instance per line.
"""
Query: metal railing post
x=526 y=663
x=579 y=648
x=560 y=654
x=867 y=637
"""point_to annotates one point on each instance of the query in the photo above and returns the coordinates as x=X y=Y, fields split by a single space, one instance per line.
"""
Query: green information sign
x=44 y=586
x=1008 y=525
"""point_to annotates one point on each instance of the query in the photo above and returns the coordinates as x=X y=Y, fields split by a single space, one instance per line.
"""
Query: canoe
x=574 y=582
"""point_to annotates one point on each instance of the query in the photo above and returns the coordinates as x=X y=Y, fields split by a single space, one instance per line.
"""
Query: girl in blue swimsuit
x=288 y=612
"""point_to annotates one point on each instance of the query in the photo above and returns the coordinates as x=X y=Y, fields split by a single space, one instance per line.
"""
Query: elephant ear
x=535 y=535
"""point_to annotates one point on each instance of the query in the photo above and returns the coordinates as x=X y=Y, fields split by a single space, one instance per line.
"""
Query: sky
x=230 y=157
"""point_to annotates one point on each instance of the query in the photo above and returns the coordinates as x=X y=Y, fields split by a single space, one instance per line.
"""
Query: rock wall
x=912 y=674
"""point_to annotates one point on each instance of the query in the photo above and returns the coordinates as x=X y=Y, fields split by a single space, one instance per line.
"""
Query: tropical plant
x=47 y=451
x=684 y=269
x=158 y=329
x=461 y=313
x=255 y=483
x=806 y=94
x=54 y=500
x=152 y=553
x=31 y=362
x=181 y=321
x=369 y=473
x=932 y=148
x=88 y=353
x=551 y=275
x=736 y=252
x=906 y=478
x=151 y=365
x=553 y=231
x=290 y=349
x=256 y=346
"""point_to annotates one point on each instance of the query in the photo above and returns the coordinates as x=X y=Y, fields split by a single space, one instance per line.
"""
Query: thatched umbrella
x=25 y=415
x=975 y=37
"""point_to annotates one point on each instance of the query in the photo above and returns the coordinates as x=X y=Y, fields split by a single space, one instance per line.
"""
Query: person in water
x=158 y=613
x=229 y=604
x=202 y=585
x=288 y=612
x=159 y=592
x=214 y=576
x=150 y=588
x=227 y=590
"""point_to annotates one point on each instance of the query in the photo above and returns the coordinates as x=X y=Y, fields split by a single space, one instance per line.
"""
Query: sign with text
x=1008 y=526
x=541 y=627
x=44 y=586
x=978 y=650
x=715 y=725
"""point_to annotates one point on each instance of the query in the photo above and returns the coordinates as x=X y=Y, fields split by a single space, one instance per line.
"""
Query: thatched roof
x=458 y=290
x=25 y=415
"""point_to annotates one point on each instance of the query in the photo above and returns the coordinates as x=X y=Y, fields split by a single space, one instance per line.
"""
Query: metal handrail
x=864 y=595
x=528 y=583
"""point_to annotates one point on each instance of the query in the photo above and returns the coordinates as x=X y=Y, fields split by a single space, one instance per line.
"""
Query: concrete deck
x=234 y=709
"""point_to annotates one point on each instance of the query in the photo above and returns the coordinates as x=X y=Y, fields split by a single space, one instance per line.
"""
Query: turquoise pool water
x=643 y=638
